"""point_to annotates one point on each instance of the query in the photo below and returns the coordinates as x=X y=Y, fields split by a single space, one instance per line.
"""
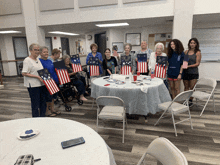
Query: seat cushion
x=176 y=107
x=112 y=112
x=200 y=95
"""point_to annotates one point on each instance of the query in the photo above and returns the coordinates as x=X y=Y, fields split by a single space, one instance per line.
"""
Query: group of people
x=175 y=71
x=42 y=102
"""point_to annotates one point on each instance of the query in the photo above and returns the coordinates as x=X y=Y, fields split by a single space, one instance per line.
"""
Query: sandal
x=51 y=115
x=57 y=112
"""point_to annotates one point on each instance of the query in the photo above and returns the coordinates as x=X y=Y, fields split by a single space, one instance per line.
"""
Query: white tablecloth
x=47 y=145
x=138 y=99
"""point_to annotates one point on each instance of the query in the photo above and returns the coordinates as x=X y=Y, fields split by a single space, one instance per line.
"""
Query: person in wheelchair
x=76 y=79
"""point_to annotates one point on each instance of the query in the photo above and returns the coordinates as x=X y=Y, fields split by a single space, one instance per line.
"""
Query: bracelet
x=180 y=73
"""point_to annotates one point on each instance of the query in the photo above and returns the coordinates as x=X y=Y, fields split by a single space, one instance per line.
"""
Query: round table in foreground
x=136 y=101
x=47 y=145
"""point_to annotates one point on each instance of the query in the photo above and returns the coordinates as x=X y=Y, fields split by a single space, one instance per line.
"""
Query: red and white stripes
x=142 y=67
x=94 y=70
x=76 y=67
x=51 y=86
x=160 y=71
x=63 y=76
x=125 y=70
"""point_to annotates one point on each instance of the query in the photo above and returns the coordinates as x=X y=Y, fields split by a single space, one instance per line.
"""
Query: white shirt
x=31 y=66
x=152 y=60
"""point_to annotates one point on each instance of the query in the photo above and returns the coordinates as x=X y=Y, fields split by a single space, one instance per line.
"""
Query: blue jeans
x=38 y=100
x=79 y=86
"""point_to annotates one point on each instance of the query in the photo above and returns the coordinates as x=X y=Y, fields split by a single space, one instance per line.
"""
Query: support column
x=183 y=20
x=7 y=53
x=182 y=24
x=34 y=34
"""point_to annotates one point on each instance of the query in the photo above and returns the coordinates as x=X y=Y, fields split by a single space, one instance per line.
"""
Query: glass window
x=20 y=47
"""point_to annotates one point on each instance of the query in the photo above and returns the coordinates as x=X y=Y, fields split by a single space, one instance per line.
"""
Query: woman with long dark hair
x=109 y=63
x=175 y=60
x=191 y=73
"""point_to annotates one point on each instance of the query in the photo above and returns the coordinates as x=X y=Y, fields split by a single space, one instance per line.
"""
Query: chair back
x=166 y=152
x=109 y=100
x=183 y=96
x=207 y=82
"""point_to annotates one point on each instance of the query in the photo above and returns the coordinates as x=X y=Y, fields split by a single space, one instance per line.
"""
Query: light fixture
x=9 y=31
x=112 y=24
x=64 y=33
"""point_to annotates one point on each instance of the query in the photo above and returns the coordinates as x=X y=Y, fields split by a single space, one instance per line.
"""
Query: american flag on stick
x=161 y=67
x=125 y=65
x=48 y=81
x=76 y=65
x=94 y=66
x=142 y=63
x=62 y=73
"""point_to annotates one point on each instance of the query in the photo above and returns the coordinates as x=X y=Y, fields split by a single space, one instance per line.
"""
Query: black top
x=111 y=64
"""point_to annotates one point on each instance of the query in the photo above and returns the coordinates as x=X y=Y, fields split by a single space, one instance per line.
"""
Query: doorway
x=100 y=40
x=65 y=46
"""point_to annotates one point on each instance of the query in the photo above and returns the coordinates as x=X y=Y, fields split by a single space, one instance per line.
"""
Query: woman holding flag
x=48 y=64
x=159 y=47
x=74 y=78
x=175 y=70
x=34 y=82
x=126 y=69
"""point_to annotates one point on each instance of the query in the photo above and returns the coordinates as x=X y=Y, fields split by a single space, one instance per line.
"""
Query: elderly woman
x=49 y=65
x=55 y=55
x=94 y=53
x=75 y=79
x=34 y=82
x=127 y=52
x=159 y=48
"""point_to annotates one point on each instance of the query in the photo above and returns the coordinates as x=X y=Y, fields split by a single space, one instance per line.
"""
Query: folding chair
x=114 y=109
x=201 y=95
x=165 y=152
x=173 y=107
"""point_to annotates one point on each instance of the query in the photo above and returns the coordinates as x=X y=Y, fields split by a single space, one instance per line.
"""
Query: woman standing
x=94 y=53
x=34 y=82
x=109 y=63
x=191 y=73
x=127 y=52
x=49 y=65
x=74 y=78
x=175 y=60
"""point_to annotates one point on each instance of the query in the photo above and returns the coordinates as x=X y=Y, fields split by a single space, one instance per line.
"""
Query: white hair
x=159 y=44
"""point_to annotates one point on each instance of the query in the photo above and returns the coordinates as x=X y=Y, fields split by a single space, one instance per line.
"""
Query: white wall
x=209 y=70
x=206 y=6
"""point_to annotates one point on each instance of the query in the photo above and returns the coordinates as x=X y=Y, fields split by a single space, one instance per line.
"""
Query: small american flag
x=142 y=63
x=62 y=73
x=76 y=65
x=48 y=81
x=125 y=65
x=161 y=67
x=94 y=66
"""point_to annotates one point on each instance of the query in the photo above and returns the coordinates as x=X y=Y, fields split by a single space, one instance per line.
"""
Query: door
x=100 y=40
x=65 y=46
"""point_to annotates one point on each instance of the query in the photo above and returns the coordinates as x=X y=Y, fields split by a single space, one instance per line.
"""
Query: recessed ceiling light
x=64 y=33
x=9 y=31
x=112 y=24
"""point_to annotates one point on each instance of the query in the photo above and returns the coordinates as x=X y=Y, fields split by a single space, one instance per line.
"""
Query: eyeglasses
x=36 y=50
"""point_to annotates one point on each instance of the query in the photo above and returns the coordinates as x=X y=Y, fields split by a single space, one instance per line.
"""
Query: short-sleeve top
x=152 y=60
x=175 y=63
x=99 y=55
x=133 y=62
x=49 y=65
x=110 y=64
x=31 y=66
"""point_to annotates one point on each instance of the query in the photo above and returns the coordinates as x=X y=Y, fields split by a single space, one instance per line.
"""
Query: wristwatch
x=180 y=73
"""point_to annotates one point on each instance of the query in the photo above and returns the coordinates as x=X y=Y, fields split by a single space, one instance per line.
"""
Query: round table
x=47 y=145
x=139 y=100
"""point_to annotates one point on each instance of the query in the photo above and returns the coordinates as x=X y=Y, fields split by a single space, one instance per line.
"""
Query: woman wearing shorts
x=175 y=60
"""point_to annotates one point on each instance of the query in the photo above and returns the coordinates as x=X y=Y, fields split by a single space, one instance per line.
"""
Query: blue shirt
x=49 y=65
x=175 y=63
x=49 y=58
x=99 y=55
